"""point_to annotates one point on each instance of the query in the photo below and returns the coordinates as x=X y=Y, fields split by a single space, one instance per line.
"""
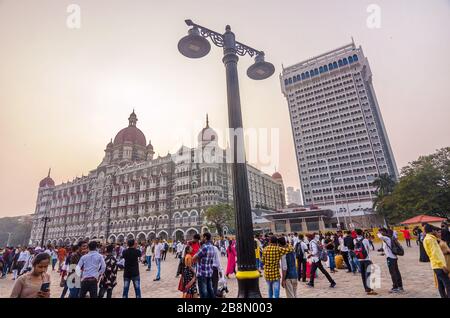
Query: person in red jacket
x=195 y=244
x=407 y=236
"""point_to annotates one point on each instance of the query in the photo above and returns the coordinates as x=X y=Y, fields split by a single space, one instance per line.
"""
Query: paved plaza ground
x=417 y=280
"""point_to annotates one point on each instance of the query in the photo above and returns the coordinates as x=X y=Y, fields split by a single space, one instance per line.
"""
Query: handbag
x=181 y=284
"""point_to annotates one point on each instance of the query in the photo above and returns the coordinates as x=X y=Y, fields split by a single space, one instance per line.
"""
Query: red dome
x=46 y=182
x=131 y=134
x=277 y=175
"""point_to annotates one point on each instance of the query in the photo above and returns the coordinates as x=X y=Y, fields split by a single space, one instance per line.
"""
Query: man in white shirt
x=23 y=258
x=90 y=267
x=392 y=261
x=295 y=239
x=159 y=249
x=362 y=251
x=148 y=255
x=180 y=255
x=217 y=269
x=316 y=249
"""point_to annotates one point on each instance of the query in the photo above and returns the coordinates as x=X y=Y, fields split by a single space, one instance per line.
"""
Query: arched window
x=325 y=68
x=350 y=60
x=344 y=61
x=303 y=76
x=294 y=79
x=286 y=82
x=321 y=69
x=340 y=63
x=335 y=65
x=330 y=66
x=307 y=74
x=311 y=73
x=290 y=80
x=316 y=71
x=355 y=58
x=298 y=77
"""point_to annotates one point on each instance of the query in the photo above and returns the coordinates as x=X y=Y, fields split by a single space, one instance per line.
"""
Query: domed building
x=207 y=135
x=131 y=194
x=129 y=145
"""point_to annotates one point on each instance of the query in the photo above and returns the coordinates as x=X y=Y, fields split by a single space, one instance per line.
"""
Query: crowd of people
x=91 y=268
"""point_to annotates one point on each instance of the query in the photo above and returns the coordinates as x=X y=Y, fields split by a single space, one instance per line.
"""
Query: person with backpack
x=271 y=258
x=164 y=251
x=289 y=273
x=361 y=250
x=301 y=250
x=318 y=255
x=350 y=245
x=329 y=246
x=392 y=260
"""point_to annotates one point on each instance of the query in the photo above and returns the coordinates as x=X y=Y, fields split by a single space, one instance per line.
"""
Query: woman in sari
x=188 y=277
x=231 y=264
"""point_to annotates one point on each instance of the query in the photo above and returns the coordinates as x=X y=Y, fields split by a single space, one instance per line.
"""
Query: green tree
x=219 y=216
x=423 y=188
x=382 y=202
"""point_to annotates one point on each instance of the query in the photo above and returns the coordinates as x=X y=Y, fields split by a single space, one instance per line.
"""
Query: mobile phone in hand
x=45 y=287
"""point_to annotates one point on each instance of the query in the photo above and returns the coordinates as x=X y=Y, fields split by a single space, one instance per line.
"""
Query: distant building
x=293 y=196
x=131 y=194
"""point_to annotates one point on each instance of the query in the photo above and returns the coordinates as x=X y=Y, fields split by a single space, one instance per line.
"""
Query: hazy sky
x=65 y=92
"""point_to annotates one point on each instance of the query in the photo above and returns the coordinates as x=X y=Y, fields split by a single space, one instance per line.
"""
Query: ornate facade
x=133 y=194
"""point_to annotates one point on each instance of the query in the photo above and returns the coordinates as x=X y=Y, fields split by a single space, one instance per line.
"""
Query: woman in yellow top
x=437 y=259
x=258 y=254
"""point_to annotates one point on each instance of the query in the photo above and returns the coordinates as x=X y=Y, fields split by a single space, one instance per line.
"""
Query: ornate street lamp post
x=45 y=219
x=195 y=45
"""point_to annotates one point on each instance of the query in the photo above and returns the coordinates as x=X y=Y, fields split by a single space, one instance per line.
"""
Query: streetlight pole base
x=248 y=288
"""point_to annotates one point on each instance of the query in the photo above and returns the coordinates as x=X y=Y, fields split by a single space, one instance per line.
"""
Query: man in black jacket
x=348 y=242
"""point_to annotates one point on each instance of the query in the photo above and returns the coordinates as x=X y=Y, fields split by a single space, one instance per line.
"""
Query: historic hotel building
x=133 y=194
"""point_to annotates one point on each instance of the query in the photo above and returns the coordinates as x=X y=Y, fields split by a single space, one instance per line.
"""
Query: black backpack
x=396 y=247
x=298 y=250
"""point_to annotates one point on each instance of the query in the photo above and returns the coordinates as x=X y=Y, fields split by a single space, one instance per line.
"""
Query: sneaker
x=393 y=291
x=372 y=292
x=309 y=285
x=148 y=269
x=156 y=279
x=333 y=284
x=400 y=289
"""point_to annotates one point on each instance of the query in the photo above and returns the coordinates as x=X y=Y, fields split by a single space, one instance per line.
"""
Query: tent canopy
x=423 y=219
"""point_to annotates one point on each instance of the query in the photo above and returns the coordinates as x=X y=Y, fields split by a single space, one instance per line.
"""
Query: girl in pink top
x=29 y=285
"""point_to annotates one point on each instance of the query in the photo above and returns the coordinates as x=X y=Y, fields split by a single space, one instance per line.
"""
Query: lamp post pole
x=46 y=219
x=9 y=238
x=195 y=45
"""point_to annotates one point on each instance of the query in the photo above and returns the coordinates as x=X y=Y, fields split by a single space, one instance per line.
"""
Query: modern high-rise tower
x=340 y=140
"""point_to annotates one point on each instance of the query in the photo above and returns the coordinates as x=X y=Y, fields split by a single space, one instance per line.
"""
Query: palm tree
x=385 y=184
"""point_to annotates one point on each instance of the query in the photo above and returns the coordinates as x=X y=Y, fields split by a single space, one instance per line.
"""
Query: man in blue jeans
x=148 y=255
x=73 y=280
x=159 y=248
x=131 y=269
x=205 y=257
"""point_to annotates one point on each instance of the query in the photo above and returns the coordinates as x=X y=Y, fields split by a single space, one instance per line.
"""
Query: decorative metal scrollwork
x=242 y=49
x=216 y=38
